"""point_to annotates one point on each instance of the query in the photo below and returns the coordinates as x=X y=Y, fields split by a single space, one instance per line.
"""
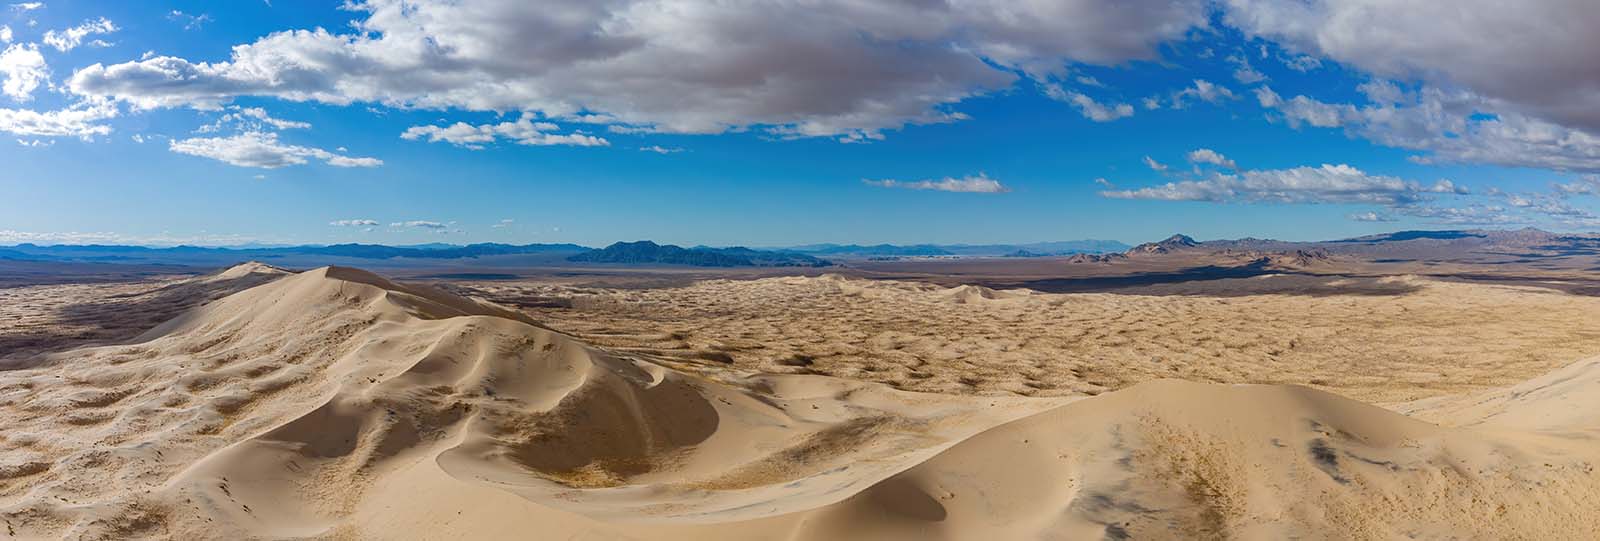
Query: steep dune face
x=337 y=404
x=274 y=411
x=1171 y=459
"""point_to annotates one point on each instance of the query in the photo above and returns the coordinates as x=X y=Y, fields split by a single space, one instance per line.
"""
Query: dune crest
x=335 y=403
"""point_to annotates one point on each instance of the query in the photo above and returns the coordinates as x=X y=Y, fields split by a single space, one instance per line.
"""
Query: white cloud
x=421 y=224
x=1533 y=58
x=508 y=222
x=252 y=119
x=27 y=6
x=793 y=67
x=1476 y=214
x=1091 y=109
x=1244 y=72
x=1305 y=185
x=70 y=38
x=1585 y=185
x=190 y=22
x=354 y=223
x=260 y=115
x=1206 y=155
x=24 y=70
x=1451 y=126
x=524 y=131
x=658 y=149
x=1203 y=90
x=1370 y=216
x=262 y=149
x=1155 y=165
x=980 y=183
x=82 y=121
x=347 y=161
x=11 y=236
x=5 y=34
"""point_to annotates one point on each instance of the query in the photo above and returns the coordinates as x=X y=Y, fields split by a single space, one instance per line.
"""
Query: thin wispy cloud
x=189 y=21
x=979 y=183
x=523 y=131
x=1297 y=185
x=263 y=150
x=421 y=224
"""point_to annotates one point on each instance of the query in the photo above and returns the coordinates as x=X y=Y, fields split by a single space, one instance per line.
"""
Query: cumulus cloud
x=1206 y=155
x=979 y=183
x=797 y=68
x=70 y=38
x=1370 y=216
x=353 y=223
x=523 y=131
x=1535 y=58
x=1155 y=165
x=23 y=69
x=658 y=149
x=262 y=150
x=5 y=34
x=83 y=121
x=1303 y=185
x=1450 y=126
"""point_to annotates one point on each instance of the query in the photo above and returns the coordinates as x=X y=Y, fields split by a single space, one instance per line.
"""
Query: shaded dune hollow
x=336 y=404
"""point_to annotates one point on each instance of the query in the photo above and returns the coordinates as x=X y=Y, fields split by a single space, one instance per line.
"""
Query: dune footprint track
x=337 y=404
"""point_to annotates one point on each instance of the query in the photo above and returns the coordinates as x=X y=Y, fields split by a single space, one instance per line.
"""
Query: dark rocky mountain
x=1170 y=244
x=649 y=253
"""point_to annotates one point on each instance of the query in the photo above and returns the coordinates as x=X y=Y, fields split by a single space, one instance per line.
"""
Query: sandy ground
x=335 y=404
x=1375 y=339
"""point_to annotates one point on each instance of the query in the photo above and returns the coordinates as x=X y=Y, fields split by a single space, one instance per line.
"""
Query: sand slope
x=337 y=404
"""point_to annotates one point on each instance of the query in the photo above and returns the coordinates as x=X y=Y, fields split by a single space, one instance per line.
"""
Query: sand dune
x=337 y=404
x=1383 y=340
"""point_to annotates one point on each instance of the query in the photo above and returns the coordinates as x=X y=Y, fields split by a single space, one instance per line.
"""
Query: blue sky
x=782 y=122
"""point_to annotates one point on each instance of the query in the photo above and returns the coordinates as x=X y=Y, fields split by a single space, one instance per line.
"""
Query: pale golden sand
x=337 y=404
x=1374 y=339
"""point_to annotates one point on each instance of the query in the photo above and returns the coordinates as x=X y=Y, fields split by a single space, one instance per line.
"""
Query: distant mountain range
x=1036 y=249
x=1400 y=245
x=650 y=253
